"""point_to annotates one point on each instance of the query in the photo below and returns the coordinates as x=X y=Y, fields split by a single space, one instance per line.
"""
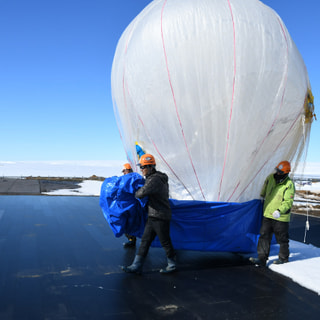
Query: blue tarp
x=215 y=226
x=195 y=225
x=124 y=213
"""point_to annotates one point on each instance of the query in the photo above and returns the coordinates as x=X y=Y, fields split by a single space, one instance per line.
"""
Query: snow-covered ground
x=304 y=264
x=87 y=188
x=69 y=169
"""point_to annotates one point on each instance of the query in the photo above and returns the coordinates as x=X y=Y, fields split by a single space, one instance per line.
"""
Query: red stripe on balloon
x=232 y=100
x=277 y=115
x=175 y=102
x=277 y=147
x=126 y=94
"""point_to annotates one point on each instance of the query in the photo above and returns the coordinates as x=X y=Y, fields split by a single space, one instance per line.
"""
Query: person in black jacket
x=156 y=188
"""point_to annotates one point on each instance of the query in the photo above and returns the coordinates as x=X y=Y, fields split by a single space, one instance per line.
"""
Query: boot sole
x=126 y=270
x=164 y=271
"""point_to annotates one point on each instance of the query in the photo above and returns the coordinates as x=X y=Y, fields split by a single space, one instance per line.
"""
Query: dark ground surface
x=297 y=229
x=60 y=260
x=16 y=186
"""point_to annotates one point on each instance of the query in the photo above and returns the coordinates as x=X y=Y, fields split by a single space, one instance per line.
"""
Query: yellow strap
x=309 y=107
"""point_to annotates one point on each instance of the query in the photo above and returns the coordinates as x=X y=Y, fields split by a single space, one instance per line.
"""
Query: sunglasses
x=143 y=167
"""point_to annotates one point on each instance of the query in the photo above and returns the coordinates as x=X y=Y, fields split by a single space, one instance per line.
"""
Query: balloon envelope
x=215 y=90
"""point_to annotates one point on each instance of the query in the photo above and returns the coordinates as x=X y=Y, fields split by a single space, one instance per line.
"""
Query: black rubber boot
x=258 y=262
x=131 y=243
x=280 y=261
x=136 y=266
x=171 y=267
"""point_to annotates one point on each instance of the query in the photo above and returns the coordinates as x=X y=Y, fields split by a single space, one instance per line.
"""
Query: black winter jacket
x=156 y=188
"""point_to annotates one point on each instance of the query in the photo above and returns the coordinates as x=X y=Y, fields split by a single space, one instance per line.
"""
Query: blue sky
x=55 y=66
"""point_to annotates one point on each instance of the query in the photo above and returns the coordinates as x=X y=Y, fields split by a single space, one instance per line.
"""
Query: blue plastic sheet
x=195 y=225
x=215 y=226
x=124 y=213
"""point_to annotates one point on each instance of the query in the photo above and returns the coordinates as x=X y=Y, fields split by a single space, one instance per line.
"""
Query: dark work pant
x=153 y=228
x=281 y=231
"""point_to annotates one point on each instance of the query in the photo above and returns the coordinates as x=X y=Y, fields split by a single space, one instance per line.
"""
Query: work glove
x=276 y=214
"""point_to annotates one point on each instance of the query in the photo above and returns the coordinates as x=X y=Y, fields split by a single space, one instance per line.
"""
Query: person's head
x=147 y=164
x=283 y=168
x=126 y=168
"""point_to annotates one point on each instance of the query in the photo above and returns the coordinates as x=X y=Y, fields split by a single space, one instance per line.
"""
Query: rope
x=307 y=226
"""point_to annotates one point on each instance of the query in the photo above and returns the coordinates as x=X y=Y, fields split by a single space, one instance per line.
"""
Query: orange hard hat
x=127 y=166
x=147 y=160
x=284 y=166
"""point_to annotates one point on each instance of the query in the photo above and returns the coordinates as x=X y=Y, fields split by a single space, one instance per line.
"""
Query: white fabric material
x=215 y=90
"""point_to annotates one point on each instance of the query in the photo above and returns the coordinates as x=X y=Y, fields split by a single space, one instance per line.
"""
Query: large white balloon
x=216 y=90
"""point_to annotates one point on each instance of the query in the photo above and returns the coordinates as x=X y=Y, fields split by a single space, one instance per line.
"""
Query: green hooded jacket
x=278 y=196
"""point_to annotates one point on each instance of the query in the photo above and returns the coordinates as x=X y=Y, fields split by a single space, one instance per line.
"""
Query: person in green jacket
x=278 y=192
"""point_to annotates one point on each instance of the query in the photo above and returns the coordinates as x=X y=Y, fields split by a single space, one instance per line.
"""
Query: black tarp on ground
x=60 y=260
